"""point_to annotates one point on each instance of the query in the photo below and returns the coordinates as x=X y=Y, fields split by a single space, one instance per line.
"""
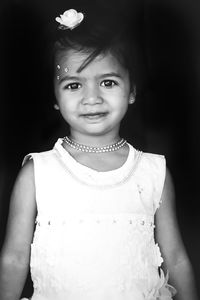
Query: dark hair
x=100 y=34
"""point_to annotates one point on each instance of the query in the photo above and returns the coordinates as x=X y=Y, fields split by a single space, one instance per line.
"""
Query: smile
x=94 y=116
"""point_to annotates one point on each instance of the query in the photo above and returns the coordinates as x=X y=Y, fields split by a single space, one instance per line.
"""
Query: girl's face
x=94 y=101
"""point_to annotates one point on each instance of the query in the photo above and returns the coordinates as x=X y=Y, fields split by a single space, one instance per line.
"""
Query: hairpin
x=70 y=19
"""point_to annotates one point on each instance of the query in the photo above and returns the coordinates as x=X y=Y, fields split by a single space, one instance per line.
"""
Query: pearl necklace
x=80 y=147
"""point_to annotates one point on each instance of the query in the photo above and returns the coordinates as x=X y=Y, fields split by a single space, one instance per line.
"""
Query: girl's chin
x=93 y=131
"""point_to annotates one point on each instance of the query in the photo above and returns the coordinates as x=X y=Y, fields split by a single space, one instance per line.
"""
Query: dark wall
x=165 y=118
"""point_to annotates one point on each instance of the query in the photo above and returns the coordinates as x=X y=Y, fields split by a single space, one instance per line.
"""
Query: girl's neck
x=95 y=141
x=101 y=162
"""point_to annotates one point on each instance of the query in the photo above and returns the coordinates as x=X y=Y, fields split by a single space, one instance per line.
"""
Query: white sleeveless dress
x=94 y=236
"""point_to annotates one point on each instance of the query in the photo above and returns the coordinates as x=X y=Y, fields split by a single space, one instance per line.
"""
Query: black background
x=165 y=118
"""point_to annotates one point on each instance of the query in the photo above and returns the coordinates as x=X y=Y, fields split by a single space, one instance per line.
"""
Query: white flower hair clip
x=70 y=19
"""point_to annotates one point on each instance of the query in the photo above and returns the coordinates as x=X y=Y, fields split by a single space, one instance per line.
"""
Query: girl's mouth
x=94 y=116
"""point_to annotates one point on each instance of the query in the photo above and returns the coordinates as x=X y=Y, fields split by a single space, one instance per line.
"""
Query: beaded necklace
x=80 y=147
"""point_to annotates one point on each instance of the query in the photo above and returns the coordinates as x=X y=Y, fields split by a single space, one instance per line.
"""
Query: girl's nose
x=91 y=96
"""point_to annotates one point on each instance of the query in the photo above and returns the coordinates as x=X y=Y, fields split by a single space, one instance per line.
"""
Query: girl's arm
x=15 y=253
x=172 y=248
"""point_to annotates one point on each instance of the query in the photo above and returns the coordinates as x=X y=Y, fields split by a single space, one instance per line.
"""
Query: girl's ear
x=132 y=95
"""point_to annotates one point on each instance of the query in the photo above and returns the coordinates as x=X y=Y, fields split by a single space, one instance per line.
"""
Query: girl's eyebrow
x=111 y=74
x=67 y=77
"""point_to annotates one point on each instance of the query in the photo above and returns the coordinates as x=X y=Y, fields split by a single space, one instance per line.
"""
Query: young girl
x=95 y=199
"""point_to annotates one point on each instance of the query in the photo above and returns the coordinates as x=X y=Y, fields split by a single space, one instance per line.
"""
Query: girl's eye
x=108 y=83
x=72 y=86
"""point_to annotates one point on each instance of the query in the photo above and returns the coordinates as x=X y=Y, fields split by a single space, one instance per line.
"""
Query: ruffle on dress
x=163 y=290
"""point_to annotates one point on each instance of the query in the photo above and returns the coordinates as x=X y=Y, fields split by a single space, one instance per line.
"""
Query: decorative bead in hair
x=70 y=19
x=59 y=71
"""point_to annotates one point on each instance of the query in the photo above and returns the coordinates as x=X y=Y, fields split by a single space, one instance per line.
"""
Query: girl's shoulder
x=153 y=156
x=154 y=160
x=34 y=156
x=25 y=183
x=26 y=172
x=151 y=160
x=38 y=163
x=155 y=166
